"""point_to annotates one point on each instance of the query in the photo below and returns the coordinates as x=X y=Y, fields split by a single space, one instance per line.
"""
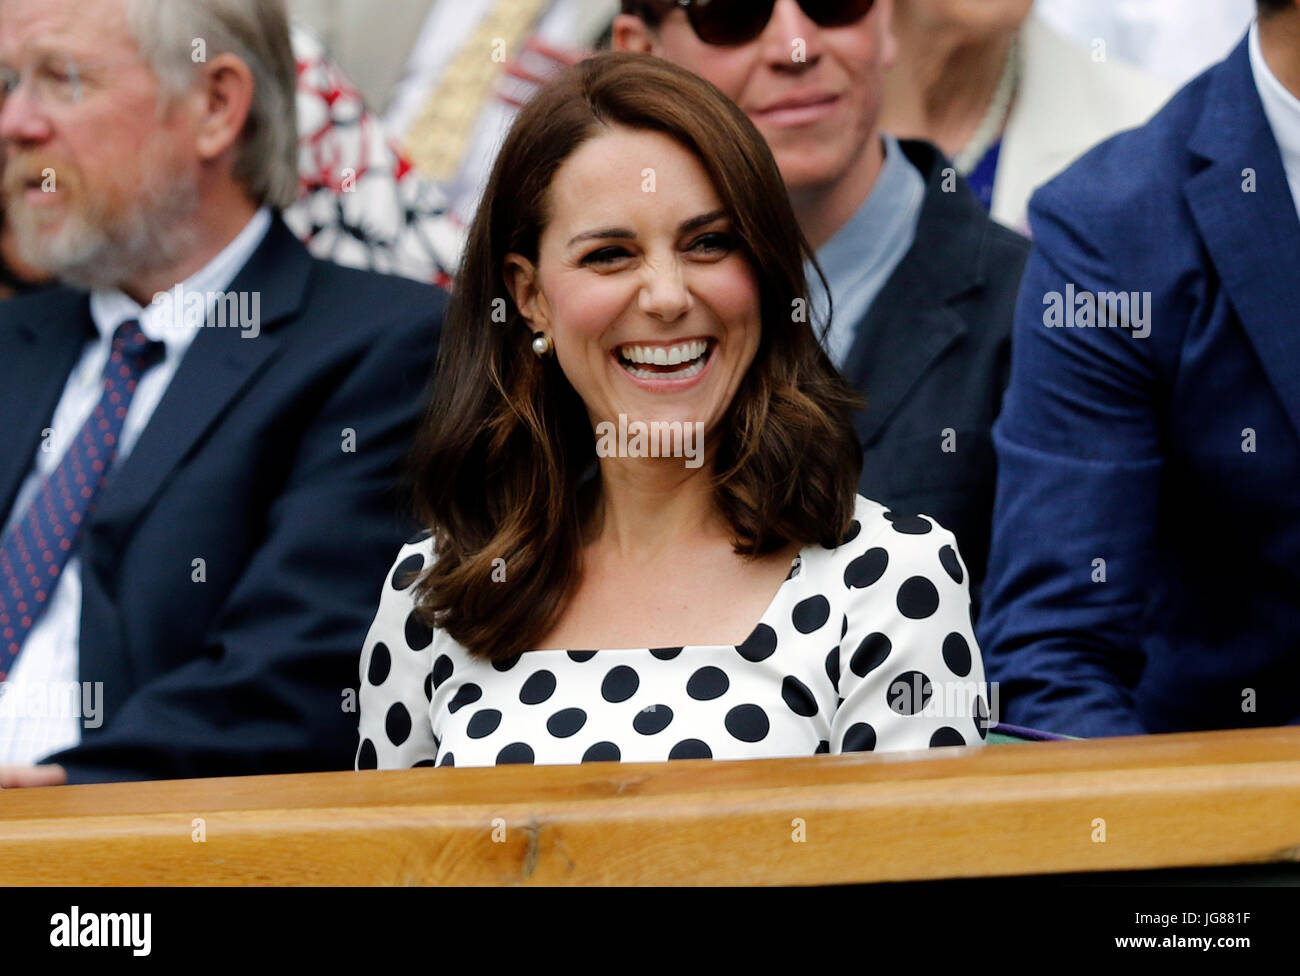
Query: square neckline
x=794 y=572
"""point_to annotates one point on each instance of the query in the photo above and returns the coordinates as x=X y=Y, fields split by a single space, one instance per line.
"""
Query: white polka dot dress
x=865 y=647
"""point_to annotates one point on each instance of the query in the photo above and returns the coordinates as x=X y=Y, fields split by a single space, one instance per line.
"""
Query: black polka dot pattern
x=418 y=634
x=467 y=694
x=517 y=753
x=707 y=684
x=620 y=684
x=951 y=564
x=483 y=723
x=367 y=757
x=380 y=662
x=759 y=645
x=397 y=725
x=903 y=672
x=871 y=654
x=566 y=722
x=602 y=752
x=917 y=598
x=811 y=614
x=691 y=749
x=946 y=736
x=908 y=524
x=748 y=723
x=653 y=720
x=538 y=688
x=956 y=654
x=859 y=737
x=910 y=692
x=866 y=569
x=407 y=571
x=442 y=669
x=798 y=696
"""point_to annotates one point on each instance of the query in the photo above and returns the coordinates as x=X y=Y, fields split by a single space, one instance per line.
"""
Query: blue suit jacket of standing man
x=1145 y=571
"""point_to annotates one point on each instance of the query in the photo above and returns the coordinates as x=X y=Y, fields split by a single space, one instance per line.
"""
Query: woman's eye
x=715 y=243
x=606 y=255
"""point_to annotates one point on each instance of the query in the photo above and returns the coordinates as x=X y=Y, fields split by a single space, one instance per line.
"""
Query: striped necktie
x=38 y=546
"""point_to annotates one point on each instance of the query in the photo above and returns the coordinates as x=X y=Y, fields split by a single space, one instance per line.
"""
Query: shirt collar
x=1281 y=107
x=870 y=237
x=110 y=307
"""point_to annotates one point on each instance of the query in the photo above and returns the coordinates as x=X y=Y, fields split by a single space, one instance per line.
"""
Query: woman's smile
x=665 y=367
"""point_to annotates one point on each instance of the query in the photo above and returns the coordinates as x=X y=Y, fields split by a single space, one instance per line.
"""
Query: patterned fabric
x=39 y=544
x=866 y=647
x=361 y=203
x=441 y=132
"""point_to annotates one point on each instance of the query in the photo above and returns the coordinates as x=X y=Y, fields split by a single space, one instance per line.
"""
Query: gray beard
x=92 y=253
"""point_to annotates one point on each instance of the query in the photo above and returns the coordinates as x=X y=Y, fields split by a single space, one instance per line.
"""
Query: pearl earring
x=542 y=345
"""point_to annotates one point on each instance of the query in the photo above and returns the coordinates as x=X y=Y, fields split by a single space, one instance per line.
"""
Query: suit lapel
x=1253 y=237
x=37 y=354
x=216 y=368
x=911 y=325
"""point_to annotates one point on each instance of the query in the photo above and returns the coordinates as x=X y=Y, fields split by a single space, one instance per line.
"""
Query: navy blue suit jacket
x=931 y=357
x=1145 y=569
x=244 y=465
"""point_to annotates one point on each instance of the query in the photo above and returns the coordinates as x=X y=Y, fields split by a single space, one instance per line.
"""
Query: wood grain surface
x=1147 y=802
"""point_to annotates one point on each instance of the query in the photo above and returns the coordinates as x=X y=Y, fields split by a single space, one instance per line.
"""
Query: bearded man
x=193 y=514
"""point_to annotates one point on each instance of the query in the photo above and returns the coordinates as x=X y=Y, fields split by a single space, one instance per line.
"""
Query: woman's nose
x=664 y=293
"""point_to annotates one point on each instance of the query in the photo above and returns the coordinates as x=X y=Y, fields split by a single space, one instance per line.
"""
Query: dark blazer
x=1145 y=573
x=243 y=465
x=932 y=359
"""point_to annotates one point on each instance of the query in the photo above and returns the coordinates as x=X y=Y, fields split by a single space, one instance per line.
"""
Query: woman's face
x=641 y=284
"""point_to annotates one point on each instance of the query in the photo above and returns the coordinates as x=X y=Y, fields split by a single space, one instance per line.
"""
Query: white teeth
x=662 y=355
x=681 y=374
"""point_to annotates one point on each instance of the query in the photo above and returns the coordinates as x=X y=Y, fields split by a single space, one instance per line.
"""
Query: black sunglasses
x=727 y=23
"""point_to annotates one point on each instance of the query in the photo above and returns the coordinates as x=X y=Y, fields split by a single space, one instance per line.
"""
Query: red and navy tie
x=38 y=546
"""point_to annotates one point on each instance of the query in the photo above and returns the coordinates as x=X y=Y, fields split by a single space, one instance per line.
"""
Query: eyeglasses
x=726 y=23
x=53 y=81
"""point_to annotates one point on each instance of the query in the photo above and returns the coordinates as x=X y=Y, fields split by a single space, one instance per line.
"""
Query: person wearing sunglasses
x=922 y=284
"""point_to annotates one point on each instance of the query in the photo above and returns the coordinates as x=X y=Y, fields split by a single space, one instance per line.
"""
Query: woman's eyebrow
x=622 y=233
x=686 y=226
x=605 y=234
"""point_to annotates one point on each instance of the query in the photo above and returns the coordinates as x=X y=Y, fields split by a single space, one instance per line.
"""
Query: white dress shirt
x=1282 y=109
x=42 y=706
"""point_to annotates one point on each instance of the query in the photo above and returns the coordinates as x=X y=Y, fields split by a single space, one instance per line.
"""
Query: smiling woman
x=635 y=264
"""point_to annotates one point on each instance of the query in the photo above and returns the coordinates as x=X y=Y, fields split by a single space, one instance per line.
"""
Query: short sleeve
x=910 y=672
x=396 y=673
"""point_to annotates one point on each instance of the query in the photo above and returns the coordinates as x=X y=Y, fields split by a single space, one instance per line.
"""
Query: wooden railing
x=1106 y=804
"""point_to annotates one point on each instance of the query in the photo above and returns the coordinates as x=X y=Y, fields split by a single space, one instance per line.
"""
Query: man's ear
x=521 y=281
x=884 y=12
x=225 y=93
x=631 y=33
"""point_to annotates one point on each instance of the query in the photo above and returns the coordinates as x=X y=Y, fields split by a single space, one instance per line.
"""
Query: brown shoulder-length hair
x=504 y=466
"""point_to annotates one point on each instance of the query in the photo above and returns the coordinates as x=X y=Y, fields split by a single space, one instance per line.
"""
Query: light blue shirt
x=862 y=255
